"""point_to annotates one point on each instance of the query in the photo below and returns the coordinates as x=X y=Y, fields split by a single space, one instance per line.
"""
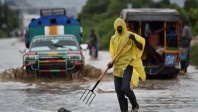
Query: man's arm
x=184 y=33
x=138 y=44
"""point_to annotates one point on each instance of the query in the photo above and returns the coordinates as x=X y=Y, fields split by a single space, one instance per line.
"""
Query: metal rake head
x=88 y=96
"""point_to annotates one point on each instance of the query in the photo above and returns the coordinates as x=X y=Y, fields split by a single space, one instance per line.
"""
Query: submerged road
x=174 y=95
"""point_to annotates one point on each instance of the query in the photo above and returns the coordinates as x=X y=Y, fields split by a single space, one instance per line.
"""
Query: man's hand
x=138 y=44
x=110 y=65
x=132 y=37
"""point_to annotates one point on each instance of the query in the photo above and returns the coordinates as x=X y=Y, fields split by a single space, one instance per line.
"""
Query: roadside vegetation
x=194 y=54
x=8 y=20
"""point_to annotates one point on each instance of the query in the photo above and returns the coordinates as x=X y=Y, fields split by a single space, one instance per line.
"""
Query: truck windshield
x=47 y=44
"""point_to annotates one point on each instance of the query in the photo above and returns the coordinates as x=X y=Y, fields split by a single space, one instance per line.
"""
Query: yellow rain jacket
x=130 y=55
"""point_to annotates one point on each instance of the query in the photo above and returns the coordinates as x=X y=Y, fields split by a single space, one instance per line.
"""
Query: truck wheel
x=27 y=69
x=174 y=75
x=37 y=75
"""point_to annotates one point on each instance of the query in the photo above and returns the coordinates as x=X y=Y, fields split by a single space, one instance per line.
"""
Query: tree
x=193 y=17
x=192 y=14
x=94 y=7
x=9 y=20
x=190 y=4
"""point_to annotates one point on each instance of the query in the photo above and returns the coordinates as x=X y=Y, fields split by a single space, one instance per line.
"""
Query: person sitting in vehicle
x=93 y=40
x=171 y=36
x=131 y=27
x=153 y=47
x=152 y=35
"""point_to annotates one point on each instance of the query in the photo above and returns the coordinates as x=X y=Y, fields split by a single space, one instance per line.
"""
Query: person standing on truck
x=93 y=40
x=186 y=37
x=128 y=65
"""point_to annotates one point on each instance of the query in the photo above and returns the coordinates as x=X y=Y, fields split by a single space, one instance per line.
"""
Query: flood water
x=170 y=95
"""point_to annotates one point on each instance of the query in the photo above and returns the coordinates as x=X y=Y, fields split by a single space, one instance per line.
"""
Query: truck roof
x=58 y=19
x=54 y=36
x=150 y=14
x=55 y=11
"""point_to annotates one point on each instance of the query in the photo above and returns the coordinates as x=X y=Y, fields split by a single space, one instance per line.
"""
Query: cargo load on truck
x=53 y=22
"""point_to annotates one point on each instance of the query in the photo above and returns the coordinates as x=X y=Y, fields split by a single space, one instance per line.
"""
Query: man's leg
x=89 y=47
x=126 y=86
x=188 y=59
x=96 y=54
x=121 y=97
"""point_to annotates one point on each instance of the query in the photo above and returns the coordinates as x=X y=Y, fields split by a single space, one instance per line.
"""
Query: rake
x=89 y=94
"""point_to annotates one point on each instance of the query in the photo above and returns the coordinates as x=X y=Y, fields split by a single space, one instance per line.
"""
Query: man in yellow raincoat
x=128 y=67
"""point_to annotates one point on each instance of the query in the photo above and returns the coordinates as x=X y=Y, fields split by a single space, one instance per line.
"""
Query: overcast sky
x=179 y=2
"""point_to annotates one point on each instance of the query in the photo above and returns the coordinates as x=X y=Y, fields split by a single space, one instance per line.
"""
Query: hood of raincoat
x=120 y=22
x=117 y=39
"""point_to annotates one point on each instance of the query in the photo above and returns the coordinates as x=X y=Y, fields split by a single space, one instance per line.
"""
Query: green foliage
x=12 y=21
x=9 y=20
x=115 y=7
x=106 y=30
x=94 y=7
x=181 y=11
x=190 y=4
x=191 y=12
x=193 y=17
x=2 y=34
x=194 y=54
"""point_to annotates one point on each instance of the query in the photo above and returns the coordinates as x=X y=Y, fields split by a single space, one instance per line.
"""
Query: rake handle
x=112 y=61
x=100 y=78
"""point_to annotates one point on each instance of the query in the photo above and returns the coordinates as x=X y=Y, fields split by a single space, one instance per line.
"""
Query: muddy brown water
x=21 y=92
x=19 y=74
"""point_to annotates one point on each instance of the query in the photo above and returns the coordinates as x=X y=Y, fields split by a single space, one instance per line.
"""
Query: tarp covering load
x=56 y=25
x=53 y=22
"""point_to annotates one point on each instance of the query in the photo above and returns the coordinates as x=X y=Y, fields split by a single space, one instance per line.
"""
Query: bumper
x=161 y=71
x=58 y=63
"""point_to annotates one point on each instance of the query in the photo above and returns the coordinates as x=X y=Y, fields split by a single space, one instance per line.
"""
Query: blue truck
x=54 y=42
